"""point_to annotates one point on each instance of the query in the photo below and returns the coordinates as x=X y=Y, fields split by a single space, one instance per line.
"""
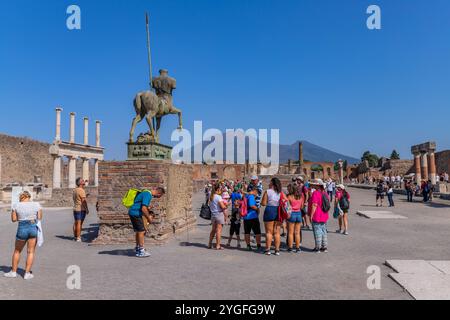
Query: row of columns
x=57 y=181
x=425 y=166
x=57 y=165
x=72 y=129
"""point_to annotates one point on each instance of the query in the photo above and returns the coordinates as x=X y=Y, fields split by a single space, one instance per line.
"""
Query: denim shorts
x=271 y=214
x=79 y=215
x=26 y=230
x=296 y=217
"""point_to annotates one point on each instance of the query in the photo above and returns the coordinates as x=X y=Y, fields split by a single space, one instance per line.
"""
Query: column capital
x=58 y=109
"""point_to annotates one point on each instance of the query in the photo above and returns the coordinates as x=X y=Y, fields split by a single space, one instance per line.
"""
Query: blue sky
x=310 y=68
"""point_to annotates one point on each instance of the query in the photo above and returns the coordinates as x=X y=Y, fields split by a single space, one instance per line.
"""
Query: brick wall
x=173 y=211
x=22 y=159
x=443 y=162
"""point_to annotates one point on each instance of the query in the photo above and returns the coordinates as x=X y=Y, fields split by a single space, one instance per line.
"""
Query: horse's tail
x=138 y=103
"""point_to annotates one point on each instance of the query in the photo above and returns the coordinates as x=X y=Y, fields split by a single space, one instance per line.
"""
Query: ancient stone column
x=424 y=166
x=72 y=172
x=417 y=167
x=72 y=127
x=289 y=166
x=58 y=125
x=96 y=173
x=56 y=172
x=97 y=133
x=86 y=131
x=300 y=154
x=86 y=169
x=341 y=171
x=432 y=165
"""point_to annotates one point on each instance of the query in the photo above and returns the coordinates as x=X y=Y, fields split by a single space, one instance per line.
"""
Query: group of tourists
x=300 y=204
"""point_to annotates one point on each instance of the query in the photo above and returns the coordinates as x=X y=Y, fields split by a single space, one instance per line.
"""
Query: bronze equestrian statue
x=155 y=105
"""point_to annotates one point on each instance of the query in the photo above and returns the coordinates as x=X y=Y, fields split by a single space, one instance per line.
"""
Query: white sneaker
x=28 y=276
x=143 y=254
x=11 y=274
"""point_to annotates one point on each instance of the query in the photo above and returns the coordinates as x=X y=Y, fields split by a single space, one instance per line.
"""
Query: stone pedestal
x=173 y=211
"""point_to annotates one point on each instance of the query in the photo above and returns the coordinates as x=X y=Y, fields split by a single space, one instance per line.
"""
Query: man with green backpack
x=138 y=204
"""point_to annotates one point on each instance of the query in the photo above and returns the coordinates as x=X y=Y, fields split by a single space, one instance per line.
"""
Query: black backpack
x=380 y=189
x=205 y=212
x=343 y=202
x=326 y=206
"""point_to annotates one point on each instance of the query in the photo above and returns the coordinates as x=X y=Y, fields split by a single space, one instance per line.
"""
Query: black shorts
x=380 y=196
x=252 y=225
x=138 y=224
x=235 y=228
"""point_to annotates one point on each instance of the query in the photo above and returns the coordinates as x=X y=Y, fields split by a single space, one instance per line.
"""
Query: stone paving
x=424 y=280
x=186 y=269
x=379 y=215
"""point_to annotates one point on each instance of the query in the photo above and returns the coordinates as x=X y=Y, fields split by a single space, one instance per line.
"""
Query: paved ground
x=177 y=271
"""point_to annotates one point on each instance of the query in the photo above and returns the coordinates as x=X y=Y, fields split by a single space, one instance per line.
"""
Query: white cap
x=254 y=177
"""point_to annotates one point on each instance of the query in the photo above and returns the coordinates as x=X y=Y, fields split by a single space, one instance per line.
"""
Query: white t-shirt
x=273 y=198
x=215 y=206
x=27 y=210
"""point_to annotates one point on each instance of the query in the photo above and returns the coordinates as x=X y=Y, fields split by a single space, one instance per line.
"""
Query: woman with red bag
x=272 y=221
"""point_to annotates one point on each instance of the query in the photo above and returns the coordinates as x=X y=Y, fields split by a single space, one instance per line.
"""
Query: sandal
x=219 y=248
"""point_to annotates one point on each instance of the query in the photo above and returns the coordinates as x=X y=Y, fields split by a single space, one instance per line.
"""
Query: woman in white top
x=271 y=200
x=27 y=213
x=218 y=218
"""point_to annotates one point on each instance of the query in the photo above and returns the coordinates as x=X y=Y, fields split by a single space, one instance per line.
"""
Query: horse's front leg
x=180 y=118
x=158 y=126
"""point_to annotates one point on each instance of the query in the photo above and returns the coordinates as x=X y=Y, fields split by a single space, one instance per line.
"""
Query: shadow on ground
x=126 y=252
x=89 y=234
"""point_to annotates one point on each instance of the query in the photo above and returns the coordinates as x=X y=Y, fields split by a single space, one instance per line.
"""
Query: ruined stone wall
x=64 y=197
x=398 y=167
x=173 y=211
x=22 y=159
x=202 y=174
x=443 y=161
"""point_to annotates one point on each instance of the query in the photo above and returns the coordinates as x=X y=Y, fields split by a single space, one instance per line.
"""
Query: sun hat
x=300 y=178
x=317 y=182
x=340 y=186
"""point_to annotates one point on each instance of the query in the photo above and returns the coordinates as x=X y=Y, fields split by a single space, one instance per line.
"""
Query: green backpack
x=128 y=199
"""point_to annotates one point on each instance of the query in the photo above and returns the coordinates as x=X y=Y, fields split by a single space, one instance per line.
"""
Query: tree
x=395 y=155
x=371 y=158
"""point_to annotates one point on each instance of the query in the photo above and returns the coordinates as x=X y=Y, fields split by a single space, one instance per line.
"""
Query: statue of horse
x=149 y=106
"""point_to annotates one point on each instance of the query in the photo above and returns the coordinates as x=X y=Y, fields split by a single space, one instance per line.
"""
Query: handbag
x=284 y=208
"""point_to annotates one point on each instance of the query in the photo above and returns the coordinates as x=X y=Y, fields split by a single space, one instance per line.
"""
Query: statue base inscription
x=149 y=151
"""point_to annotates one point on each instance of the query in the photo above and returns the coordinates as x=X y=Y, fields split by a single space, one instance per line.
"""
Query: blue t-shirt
x=235 y=196
x=142 y=199
x=251 y=214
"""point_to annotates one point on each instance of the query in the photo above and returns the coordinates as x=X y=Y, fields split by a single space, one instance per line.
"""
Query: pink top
x=296 y=204
x=339 y=195
x=319 y=215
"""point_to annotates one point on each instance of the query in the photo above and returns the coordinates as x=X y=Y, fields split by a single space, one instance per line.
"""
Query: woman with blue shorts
x=271 y=200
x=26 y=213
x=297 y=201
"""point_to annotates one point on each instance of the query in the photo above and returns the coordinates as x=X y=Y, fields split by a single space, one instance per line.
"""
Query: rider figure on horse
x=164 y=86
